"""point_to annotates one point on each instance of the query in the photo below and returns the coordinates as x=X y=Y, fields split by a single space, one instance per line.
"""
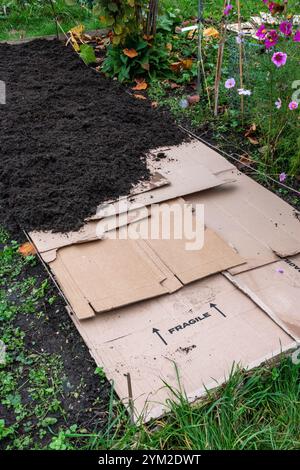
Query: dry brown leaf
x=27 y=249
x=174 y=85
x=253 y=140
x=193 y=99
x=148 y=37
x=176 y=66
x=211 y=33
x=246 y=160
x=131 y=53
x=77 y=30
x=154 y=104
x=140 y=85
x=187 y=64
x=139 y=97
x=169 y=46
x=252 y=129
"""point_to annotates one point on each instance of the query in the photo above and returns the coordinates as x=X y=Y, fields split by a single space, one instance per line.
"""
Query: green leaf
x=87 y=54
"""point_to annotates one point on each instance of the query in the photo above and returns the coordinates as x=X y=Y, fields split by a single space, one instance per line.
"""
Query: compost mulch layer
x=70 y=138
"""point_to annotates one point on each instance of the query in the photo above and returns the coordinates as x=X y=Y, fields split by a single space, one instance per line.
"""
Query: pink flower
x=278 y=103
x=279 y=59
x=282 y=177
x=230 y=83
x=271 y=6
x=286 y=27
x=296 y=38
x=271 y=39
x=261 y=32
x=227 y=10
x=293 y=105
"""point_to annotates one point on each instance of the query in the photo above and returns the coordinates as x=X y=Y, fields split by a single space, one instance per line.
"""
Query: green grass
x=35 y=18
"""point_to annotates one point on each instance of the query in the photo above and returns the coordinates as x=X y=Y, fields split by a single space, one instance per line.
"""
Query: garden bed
x=70 y=139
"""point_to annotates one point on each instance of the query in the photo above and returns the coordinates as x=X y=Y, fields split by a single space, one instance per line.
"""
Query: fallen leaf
x=211 y=33
x=252 y=129
x=27 y=249
x=193 y=99
x=253 y=140
x=154 y=104
x=140 y=85
x=148 y=37
x=77 y=30
x=131 y=53
x=187 y=64
x=174 y=85
x=169 y=46
x=139 y=97
x=176 y=66
x=246 y=160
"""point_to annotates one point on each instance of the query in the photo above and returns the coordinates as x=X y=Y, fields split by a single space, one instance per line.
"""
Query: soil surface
x=70 y=138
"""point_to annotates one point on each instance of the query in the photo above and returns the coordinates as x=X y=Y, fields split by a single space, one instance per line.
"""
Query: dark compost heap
x=70 y=138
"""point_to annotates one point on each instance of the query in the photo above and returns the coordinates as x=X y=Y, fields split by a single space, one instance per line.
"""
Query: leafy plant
x=140 y=58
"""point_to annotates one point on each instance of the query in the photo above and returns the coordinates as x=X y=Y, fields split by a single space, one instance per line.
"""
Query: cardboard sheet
x=202 y=330
x=113 y=272
x=258 y=224
x=275 y=288
x=47 y=243
x=189 y=168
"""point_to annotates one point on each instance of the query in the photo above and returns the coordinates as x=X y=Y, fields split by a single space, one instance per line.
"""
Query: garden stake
x=241 y=57
x=200 y=65
x=220 y=60
x=130 y=397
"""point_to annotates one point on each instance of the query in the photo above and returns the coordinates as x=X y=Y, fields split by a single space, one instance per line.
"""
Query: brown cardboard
x=202 y=330
x=275 y=288
x=112 y=273
x=47 y=243
x=255 y=222
x=189 y=168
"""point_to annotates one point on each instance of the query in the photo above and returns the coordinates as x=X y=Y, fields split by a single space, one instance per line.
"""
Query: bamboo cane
x=220 y=61
x=241 y=60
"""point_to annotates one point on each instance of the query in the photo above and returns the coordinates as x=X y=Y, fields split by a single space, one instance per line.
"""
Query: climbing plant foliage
x=125 y=17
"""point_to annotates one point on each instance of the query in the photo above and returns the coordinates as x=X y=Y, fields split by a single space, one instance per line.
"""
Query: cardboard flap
x=47 y=243
x=189 y=266
x=189 y=168
x=114 y=273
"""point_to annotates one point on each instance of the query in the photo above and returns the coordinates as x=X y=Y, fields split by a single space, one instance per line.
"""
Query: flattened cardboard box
x=275 y=288
x=189 y=168
x=258 y=224
x=112 y=273
x=198 y=333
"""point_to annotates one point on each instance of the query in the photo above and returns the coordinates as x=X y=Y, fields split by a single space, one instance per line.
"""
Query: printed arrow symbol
x=218 y=310
x=156 y=331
